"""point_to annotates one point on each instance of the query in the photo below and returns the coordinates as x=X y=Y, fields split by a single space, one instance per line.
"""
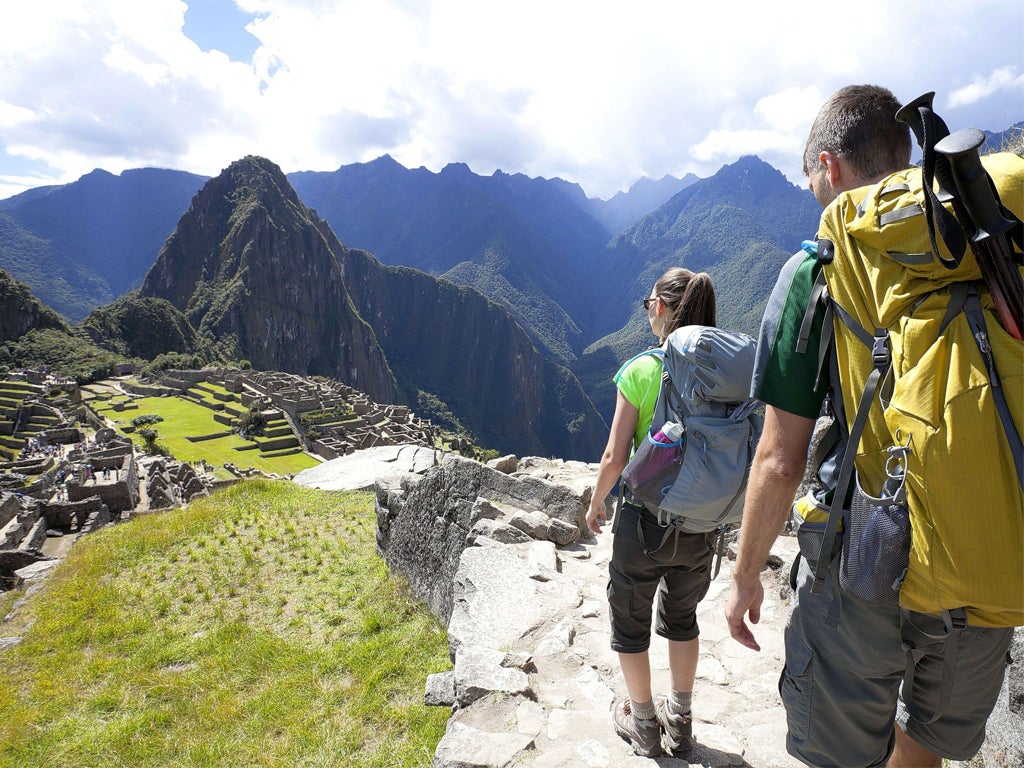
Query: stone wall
x=146 y=390
x=61 y=436
x=120 y=495
x=73 y=515
x=9 y=507
x=423 y=521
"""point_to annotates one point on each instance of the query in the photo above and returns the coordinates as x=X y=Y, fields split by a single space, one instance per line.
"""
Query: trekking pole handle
x=973 y=183
x=910 y=114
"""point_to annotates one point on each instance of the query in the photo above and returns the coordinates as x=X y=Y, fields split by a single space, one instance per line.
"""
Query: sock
x=643 y=711
x=679 y=703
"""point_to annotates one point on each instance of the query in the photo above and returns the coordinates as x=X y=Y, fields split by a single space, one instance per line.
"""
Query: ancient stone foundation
x=424 y=522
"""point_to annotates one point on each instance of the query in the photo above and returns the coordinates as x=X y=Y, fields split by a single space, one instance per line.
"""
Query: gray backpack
x=691 y=469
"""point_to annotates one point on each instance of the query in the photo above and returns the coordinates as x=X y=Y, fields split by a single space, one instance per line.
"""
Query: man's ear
x=833 y=168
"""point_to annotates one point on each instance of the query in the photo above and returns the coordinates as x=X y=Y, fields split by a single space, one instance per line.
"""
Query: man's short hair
x=858 y=123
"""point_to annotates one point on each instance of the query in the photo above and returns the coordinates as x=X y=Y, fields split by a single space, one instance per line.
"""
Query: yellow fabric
x=966 y=506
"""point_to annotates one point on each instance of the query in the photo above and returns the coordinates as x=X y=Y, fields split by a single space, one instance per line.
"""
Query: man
x=844 y=660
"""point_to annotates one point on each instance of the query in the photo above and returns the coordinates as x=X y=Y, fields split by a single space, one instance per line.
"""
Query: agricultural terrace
x=183 y=419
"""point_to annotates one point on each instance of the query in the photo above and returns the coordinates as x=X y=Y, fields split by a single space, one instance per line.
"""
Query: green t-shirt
x=784 y=377
x=639 y=380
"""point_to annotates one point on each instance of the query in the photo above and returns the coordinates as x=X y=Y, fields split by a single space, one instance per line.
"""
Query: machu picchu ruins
x=73 y=459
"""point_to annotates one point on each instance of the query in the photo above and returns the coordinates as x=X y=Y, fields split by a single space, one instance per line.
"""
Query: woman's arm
x=616 y=454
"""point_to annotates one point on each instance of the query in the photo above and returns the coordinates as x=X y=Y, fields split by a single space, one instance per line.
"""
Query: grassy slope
x=183 y=418
x=255 y=628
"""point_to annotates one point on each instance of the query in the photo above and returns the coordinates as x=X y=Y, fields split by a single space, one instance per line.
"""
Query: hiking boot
x=678 y=728
x=643 y=735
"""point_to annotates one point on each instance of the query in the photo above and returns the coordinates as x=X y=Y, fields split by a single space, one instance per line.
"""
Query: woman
x=679 y=298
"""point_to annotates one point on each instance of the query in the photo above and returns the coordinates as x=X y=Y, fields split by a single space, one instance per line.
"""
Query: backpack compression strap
x=912 y=639
x=976 y=319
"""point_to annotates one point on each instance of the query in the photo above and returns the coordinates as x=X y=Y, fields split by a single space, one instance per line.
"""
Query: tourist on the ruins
x=678 y=298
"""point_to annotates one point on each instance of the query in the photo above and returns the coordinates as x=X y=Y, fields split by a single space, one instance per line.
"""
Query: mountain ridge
x=261 y=277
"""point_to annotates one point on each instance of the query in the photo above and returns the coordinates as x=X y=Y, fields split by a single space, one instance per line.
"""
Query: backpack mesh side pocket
x=654 y=468
x=876 y=549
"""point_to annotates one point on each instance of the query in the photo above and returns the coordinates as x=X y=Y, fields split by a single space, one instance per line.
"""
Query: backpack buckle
x=880 y=355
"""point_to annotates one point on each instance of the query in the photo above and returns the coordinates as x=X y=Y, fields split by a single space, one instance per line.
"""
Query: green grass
x=183 y=419
x=254 y=628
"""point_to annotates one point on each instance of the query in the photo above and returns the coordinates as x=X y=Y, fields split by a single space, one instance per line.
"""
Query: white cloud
x=12 y=114
x=723 y=145
x=1002 y=79
x=596 y=91
x=792 y=109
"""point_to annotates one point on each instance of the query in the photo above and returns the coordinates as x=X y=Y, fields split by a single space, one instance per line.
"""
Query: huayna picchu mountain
x=259 y=276
x=257 y=279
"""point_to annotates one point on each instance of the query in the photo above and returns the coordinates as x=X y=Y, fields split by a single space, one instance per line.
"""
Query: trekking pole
x=929 y=129
x=991 y=239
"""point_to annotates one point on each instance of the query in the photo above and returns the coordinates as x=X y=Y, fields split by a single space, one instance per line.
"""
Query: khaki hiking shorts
x=841 y=685
x=680 y=578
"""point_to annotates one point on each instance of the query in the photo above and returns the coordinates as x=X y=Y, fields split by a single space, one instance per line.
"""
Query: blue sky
x=596 y=92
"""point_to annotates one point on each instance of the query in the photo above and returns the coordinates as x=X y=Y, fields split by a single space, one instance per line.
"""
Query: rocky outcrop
x=425 y=521
x=360 y=470
x=22 y=311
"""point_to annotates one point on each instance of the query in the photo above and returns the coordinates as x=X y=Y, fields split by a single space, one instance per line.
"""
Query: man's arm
x=776 y=474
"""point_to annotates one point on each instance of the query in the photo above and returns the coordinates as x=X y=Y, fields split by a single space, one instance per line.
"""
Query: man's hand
x=743 y=599
x=595 y=517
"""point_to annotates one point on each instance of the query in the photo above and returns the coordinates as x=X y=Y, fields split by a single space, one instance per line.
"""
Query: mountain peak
x=747 y=164
x=97 y=176
x=384 y=160
x=459 y=170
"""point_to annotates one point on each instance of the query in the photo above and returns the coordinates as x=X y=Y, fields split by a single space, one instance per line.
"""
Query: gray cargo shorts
x=634 y=578
x=841 y=684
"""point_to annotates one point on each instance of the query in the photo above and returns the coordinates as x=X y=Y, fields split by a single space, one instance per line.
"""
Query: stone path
x=738 y=716
x=547 y=604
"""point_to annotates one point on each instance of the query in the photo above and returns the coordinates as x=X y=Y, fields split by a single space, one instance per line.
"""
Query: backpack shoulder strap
x=655 y=351
x=976 y=319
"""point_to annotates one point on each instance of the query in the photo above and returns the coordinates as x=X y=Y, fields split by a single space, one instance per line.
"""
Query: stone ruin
x=345 y=419
x=323 y=416
x=108 y=471
x=172 y=483
x=84 y=486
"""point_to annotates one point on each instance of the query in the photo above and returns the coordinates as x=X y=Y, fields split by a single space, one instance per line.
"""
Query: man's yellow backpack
x=932 y=391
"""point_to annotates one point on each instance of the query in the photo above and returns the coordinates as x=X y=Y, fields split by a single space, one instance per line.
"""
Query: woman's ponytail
x=689 y=297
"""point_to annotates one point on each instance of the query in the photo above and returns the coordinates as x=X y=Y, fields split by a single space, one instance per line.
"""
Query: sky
x=596 y=92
